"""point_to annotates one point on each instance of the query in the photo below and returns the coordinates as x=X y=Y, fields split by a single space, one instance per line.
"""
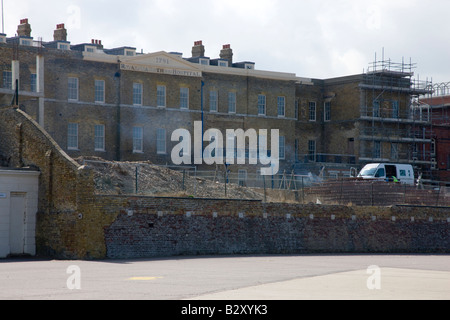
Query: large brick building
x=119 y=104
x=438 y=110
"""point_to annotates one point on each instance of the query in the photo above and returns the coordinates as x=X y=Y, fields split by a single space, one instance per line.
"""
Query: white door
x=17 y=223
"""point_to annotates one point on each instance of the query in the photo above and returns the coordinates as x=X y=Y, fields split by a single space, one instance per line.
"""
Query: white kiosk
x=18 y=208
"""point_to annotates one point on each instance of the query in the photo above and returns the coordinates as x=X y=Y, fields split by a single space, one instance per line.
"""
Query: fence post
x=437 y=200
x=372 y=194
x=264 y=184
x=303 y=192
x=136 y=182
x=225 y=181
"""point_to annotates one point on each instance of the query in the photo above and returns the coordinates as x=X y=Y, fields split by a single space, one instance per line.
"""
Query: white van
x=402 y=173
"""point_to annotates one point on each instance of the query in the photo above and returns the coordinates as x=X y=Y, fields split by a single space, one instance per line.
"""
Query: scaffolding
x=394 y=122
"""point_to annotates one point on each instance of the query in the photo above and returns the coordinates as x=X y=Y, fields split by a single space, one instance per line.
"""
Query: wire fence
x=152 y=180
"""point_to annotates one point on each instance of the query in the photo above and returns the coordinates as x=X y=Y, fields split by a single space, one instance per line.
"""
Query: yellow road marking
x=144 y=278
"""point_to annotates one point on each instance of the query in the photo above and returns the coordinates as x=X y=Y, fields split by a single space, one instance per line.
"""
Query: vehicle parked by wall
x=400 y=173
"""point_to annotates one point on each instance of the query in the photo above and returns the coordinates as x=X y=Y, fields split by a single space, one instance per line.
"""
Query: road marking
x=144 y=278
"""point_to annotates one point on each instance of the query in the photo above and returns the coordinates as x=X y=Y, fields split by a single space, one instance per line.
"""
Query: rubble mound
x=145 y=178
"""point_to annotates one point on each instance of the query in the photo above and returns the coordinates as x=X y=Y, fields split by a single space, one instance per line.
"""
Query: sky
x=311 y=38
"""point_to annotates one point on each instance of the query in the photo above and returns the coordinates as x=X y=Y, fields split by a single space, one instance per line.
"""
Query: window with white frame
x=327 y=111
x=161 y=96
x=99 y=137
x=242 y=178
x=33 y=82
x=138 y=139
x=72 y=89
x=261 y=105
x=161 y=141
x=99 y=91
x=63 y=46
x=312 y=150
x=7 y=80
x=204 y=61
x=213 y=101
x=312 y=111
x=281 y=104
x=231 y=102
x=184 y=98
x=282 y=147
x=72 y=136
x=137 y=94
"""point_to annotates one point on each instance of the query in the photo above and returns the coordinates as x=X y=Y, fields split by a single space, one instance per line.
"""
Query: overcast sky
x=311 y=38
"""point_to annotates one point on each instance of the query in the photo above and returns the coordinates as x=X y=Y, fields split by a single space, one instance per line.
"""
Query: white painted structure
x=18 y=208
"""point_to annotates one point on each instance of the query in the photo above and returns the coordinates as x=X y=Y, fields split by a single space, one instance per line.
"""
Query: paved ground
x=342 y=277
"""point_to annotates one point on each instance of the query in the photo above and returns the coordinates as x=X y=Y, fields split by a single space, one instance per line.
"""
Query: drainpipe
x=203 y=116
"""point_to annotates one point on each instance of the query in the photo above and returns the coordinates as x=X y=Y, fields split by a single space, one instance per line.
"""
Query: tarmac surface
x=231 y=278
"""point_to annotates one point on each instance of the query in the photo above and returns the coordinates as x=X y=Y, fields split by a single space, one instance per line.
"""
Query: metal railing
x=150 y=180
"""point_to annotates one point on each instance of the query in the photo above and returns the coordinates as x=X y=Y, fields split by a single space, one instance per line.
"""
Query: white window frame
x=161 y=96
x=72 y=136
x=282 y=148
x=7 y=80
x=312 y=111
x=213 y=101
x=262 y=105
x=232 y=102
x=99 y=137
x=99 y=94
x=242 y=177
x=33 y=82
x=73 y=87
x=161 y=145
x=138 y=139
x=63 y=46
x=138 y=90
x=184 y=98
x=327 y=111
x=281 y=106
x=312 y=150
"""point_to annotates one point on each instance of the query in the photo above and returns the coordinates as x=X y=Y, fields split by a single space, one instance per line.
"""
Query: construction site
x=398 y=120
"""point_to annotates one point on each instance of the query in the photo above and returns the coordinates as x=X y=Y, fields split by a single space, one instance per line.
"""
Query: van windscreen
x=368 y=171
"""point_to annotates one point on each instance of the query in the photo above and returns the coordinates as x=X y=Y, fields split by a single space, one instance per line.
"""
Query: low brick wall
x=156 y=227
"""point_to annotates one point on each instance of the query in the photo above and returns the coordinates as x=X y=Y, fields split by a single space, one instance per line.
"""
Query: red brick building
x=439 y=111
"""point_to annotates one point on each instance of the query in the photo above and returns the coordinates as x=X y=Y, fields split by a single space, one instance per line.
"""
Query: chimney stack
x=227 y=54
x=60 y=33
x=24 y=29
x=198 y=50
